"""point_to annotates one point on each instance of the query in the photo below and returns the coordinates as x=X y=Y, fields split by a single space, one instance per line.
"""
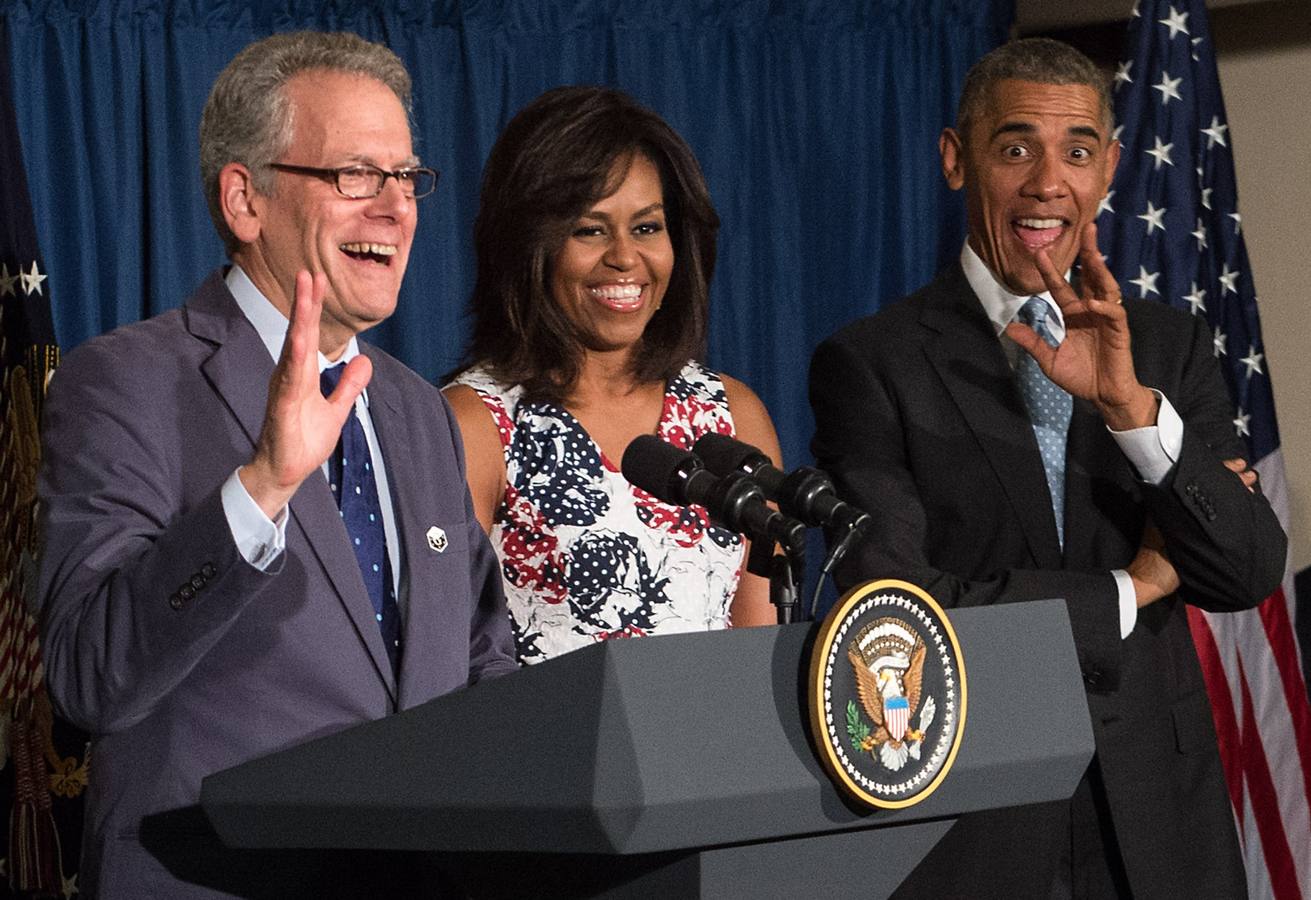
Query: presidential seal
x=887 y=694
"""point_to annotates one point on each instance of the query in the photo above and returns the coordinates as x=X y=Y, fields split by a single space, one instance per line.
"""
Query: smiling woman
x=595 y=240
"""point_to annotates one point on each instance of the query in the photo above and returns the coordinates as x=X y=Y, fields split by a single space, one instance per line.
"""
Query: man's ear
x=240 y=202
x=953 y=158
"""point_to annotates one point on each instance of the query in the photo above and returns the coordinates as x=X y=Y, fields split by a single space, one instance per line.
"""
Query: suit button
x=208 y=571
x=197 y=582
x=186 y=592
x=175 y=601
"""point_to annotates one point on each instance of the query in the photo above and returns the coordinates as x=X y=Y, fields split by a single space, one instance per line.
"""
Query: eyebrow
x=644 y=211
x=410 y=162
x=1025 y=128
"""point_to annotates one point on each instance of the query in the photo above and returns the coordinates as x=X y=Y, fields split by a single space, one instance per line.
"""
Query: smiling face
x=611 y=274
x=362 y=246
x=1035 y=165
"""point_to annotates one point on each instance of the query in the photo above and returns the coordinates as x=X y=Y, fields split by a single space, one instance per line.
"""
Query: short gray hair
x=1040 y=60
x=247 y=118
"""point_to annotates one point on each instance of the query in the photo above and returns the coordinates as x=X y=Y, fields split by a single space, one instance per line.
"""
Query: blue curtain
x=816 y=122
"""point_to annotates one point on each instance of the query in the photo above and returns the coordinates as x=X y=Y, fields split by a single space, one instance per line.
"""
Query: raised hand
x=1094 y=360
x=301 y=427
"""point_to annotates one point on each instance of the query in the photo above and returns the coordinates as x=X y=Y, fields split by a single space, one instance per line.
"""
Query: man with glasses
x=257 y=527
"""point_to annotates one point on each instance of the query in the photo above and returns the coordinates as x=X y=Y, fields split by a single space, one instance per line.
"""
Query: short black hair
x=1041 y=60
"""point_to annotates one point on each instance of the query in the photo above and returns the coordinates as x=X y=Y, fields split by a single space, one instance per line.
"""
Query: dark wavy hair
x=550 y=165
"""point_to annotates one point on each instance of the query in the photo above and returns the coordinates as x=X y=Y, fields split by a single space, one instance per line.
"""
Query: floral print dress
x=586 y=556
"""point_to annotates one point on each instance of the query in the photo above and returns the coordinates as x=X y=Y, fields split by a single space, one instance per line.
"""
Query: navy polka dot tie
x=1049 y=409
x=350 y=473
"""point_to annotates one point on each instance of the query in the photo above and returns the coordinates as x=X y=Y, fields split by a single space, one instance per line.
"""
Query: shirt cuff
x=1153 y=450
x=259 y=539
x=1128 y=598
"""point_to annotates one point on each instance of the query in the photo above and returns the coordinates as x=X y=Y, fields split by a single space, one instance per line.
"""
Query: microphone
x=804 y=493
x=734 y=500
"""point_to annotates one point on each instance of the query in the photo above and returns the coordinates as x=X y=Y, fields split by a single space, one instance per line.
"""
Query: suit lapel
x=403 y=468
x=968 y=358
x=239 y=370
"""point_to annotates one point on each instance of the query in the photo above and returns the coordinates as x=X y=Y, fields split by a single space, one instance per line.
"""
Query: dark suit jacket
x=920 y=422
x=142 y=427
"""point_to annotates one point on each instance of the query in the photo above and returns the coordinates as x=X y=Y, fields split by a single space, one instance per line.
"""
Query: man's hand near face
x=301 y=427
x=1094 y=361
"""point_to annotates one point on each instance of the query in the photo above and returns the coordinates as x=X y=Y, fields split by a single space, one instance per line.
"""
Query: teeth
x=617 y=291
x=375 y=249
x=1040 y=223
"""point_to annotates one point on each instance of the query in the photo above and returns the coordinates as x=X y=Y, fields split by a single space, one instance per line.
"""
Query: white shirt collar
x=269 y=322
x=998 y=302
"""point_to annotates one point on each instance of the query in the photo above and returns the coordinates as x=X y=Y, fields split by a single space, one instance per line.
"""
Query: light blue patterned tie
x=1049 y=409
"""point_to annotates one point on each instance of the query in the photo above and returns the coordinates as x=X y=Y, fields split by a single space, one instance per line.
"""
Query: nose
x=1046 y=178
x=391 y=200
x=621 y=253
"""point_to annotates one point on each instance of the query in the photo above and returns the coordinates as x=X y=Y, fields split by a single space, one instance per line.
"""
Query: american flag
x=1172 y=232
x=40 y=786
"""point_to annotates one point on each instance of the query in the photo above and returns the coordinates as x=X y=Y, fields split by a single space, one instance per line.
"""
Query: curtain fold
x=816 y=123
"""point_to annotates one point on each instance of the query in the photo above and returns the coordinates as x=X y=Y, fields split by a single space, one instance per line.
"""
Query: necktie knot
x=330 y=377
x=1034 y=313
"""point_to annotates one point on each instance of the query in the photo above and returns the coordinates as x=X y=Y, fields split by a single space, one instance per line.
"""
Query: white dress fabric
x=585 y=555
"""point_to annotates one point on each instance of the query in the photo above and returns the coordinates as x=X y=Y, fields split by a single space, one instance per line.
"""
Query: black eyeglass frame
x=334 y=175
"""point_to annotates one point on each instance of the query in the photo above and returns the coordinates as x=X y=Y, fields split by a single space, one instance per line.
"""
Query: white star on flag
x=1196 y=299
x=1105 y=205
x=1176 y=22
x=1238 y=222
x=1206 y=197
x=1196 y=41
x=1253 y=361
x=31 y=280
x=1146 y=282
x=1122 y=73
x=1169 y=88
x=1216 y=133
x=7 y=281
x=1162 y=153
x=1229 y=279
x=1153 y=217
x=1200 y=234
x=1219 y=343
x=1241 y=423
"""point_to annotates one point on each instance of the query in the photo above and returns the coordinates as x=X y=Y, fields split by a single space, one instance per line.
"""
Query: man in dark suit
x=1075 y=446
x=206 y=595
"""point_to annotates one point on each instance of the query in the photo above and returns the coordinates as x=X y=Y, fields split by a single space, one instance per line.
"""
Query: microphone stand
x=785 y=571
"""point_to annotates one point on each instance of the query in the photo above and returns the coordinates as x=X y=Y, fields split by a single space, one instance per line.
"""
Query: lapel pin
x=437 y=539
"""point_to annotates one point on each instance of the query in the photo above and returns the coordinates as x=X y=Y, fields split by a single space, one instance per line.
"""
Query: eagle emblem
x=887 y=694
x=888 y=659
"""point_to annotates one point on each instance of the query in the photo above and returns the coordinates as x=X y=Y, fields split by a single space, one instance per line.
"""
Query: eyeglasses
x=362 y=181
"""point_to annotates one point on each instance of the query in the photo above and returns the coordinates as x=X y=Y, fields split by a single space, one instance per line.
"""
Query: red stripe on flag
x=1283 y=647
x=1265 y=806
x=1222 y=706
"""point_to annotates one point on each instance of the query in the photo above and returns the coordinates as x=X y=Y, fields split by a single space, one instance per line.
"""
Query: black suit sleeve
x=1224 y=540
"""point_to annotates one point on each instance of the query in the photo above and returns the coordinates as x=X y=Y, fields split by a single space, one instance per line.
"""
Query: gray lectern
x=677 y=766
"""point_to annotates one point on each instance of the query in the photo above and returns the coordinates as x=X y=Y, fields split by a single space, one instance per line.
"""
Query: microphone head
x=659 y=468
x=722 y=454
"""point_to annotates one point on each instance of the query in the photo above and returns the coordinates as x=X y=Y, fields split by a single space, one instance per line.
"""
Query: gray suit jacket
x=920 y=422
x=142 y=427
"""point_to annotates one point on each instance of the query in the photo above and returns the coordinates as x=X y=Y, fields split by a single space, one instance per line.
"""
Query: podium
x=680 y=765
